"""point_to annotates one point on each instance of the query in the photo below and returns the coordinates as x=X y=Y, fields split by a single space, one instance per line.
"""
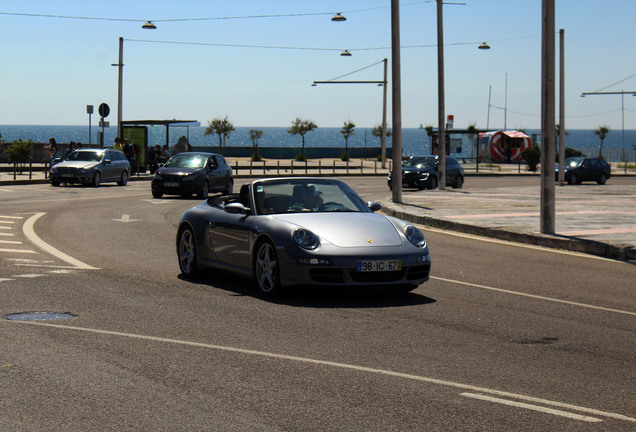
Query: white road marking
x=328 y=363
x=10 y=217
x=26 y=251
x=30 y=234
x=15 y=242
x=534 y=408
x=7 y=234
x=126 y=218
x=27 y=275
x=551 y=299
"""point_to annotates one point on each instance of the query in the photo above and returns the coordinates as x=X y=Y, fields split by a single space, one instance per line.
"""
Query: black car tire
x=55 y=183
x=97 y=179
x=266 y=270
x=573 y=180
x=157 y=194
x=433 y=183
x=459 y=182
x=229 y=187
x=602 y=179
x=187 y=252
x=205 y=191
x=123 y=181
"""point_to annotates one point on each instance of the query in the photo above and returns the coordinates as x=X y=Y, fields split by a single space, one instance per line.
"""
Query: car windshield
x=86 y=156
x=306 y=195
x=186 y=161
x=421 y=162
x=573 y=162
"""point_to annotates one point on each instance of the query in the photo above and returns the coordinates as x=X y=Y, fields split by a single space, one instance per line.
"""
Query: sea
x=618 y=145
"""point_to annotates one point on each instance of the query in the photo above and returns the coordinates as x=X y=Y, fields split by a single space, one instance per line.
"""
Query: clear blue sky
x=53 y=67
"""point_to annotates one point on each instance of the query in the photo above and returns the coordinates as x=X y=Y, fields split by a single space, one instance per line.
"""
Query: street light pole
x=396 y=95
x=547 y=213
x=120 y=80
x=383 y=83
x=441 y=126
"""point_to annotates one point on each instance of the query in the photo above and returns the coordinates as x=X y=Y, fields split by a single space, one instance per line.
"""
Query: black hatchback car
x=580 y=169
x=193 y=173
x=421 y=172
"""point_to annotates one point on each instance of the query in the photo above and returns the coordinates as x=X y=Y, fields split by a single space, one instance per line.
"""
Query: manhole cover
x=39 y=316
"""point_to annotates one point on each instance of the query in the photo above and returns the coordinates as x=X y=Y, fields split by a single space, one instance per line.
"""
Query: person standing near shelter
x=117 y=145
x=51 y=149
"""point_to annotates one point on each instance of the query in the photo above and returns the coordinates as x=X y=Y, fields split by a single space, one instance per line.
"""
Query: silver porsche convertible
x=302 y=231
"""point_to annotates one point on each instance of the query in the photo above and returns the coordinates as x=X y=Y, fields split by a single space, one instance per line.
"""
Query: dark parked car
x=421 y=172
x=302 y=231
x=580 y=169
x=193 y=173
x=91 y=167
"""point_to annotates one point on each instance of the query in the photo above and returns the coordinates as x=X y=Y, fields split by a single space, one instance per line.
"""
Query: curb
x=607 y=250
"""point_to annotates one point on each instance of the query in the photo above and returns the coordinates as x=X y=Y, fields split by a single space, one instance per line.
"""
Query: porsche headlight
x=415 y=236
x=305 y=238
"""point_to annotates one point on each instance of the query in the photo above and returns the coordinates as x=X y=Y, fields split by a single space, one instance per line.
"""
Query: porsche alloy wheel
x=266 y=270
x=187 y=251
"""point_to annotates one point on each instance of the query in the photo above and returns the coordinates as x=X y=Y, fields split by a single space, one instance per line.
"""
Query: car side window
x=586 y=164
x=596 y=164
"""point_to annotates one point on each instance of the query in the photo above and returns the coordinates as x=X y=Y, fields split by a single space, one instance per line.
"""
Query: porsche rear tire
x=266 y=269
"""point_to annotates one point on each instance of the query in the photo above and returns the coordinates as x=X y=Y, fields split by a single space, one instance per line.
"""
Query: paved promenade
x=599 y=220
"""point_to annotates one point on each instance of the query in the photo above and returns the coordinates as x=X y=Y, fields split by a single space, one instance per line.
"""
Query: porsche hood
x=347 y=229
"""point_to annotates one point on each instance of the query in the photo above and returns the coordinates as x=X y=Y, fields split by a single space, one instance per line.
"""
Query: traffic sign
x=104 y=110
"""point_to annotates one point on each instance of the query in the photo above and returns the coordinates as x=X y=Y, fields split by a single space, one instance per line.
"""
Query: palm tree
x=346 y=131
x=255 y=134
x=221 y=127
x=601 y=132
x=377 y=132
x=301 y=127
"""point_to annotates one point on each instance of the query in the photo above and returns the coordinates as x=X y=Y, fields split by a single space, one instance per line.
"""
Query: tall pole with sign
x=89 y=111
x=104 y=110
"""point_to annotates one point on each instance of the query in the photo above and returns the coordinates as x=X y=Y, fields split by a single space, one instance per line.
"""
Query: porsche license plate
x=379 y=265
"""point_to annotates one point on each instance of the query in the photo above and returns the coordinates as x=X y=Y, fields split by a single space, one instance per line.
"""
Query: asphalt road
x=503 y=337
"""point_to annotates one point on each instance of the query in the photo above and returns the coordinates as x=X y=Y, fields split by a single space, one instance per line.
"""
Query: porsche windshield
x=186 y=161
x=86 y=156
x=300 y=195
x=423 y=162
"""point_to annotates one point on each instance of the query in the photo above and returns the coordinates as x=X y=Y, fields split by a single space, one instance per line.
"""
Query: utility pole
x=397 y=103
x=561 y=107
x=441 y=120
x=548 y=128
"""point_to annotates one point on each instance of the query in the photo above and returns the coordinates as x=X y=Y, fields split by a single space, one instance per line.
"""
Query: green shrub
x=344 y=156
x=570 y=152
x=300 y=157
x=532 y=157
x=20 y=151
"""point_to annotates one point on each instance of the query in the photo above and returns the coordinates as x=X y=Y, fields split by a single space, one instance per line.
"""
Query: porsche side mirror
x=236 y=208
x=374 y=205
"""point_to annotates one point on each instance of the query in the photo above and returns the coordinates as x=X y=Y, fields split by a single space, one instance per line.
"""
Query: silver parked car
x=302 y=231
x=91 y=167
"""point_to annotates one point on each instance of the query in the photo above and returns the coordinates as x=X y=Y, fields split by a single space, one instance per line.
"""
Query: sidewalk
x=598 y=220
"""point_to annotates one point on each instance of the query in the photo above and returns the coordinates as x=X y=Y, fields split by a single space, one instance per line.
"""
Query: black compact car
x=193 y=173
x=421 y=172
x=580 y=169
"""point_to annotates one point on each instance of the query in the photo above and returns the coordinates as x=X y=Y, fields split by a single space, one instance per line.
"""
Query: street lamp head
x=345 y=53
x=484 y=46
x=148 y=25
x=338 y=17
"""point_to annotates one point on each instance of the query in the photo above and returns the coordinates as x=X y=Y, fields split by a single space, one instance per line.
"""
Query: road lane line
x=26 y=251
x=534 y=296
x=453 y=384
x=32 y=236
x=14 y=242
x=533 y=407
